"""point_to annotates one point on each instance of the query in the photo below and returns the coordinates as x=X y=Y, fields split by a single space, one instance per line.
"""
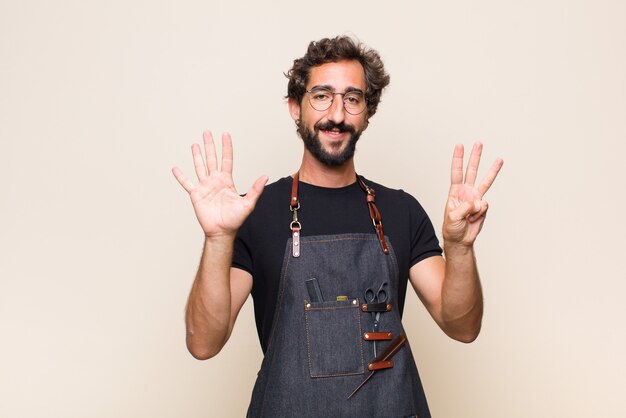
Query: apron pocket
x=334 y=338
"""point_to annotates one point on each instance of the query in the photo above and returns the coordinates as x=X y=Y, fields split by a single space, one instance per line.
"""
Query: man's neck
x=318 y=174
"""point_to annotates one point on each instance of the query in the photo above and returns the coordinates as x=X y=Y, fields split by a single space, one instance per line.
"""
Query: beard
x=313 y=144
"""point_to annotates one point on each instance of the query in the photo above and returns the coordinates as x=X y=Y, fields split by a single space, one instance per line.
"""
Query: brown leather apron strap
x=377 y=220
x=295 y=225
x=294 y=203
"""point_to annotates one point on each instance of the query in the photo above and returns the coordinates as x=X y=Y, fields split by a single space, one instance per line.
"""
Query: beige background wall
x=99 y=244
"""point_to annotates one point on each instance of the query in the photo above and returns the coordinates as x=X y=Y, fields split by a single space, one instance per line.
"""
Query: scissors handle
x=380 y=296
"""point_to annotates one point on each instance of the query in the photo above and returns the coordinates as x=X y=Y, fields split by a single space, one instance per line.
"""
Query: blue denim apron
x=317 y=355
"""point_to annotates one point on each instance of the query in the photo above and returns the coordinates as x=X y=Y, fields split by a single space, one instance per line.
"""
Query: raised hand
x=219 y=208
x=465 y=209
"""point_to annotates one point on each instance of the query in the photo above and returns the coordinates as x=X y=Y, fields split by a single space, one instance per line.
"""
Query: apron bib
x=319 y=351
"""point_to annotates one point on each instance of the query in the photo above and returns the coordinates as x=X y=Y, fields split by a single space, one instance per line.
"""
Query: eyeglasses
x=321 y=99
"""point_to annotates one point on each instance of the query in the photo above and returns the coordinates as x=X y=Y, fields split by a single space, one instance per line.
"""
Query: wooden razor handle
x=382 y=361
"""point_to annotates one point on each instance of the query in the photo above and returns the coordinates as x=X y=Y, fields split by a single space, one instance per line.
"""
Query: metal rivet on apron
x=354 y=302
x=308 y=305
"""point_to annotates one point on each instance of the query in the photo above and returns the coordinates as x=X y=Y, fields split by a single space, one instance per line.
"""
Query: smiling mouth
x=334 y=133
x=335 y=130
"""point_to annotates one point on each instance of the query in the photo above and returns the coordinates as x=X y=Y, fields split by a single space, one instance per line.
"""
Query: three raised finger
x=456 y=175
x=473 y=163
x=490 y=177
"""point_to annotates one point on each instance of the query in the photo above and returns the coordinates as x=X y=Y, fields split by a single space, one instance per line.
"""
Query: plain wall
x=99 y=243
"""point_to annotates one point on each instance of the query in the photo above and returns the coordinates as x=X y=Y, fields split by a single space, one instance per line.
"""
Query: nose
x=336 y=111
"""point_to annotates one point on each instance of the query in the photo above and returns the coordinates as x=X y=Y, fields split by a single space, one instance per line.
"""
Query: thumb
x=484 y=206
x=465 y=209
x=255 y=191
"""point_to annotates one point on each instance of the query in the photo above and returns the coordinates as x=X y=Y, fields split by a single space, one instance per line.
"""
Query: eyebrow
x=328 y=87
x=353 y=90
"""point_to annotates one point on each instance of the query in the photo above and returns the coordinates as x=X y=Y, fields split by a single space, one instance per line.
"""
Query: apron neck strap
x=377 y=220
x=294 y=203
x=370 y=199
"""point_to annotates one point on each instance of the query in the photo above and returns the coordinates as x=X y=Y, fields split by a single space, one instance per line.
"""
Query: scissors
x=380 y=296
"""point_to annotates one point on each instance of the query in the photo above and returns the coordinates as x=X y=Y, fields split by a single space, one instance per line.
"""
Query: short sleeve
x=424 y=241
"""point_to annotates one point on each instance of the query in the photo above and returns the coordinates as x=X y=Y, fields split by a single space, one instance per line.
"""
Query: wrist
x=452 y=249
x=219 y=239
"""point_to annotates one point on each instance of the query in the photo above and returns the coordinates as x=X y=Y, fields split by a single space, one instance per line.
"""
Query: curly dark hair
x=333 y=50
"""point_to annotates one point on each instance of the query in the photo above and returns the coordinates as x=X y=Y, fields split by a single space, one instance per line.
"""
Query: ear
x=294 y=109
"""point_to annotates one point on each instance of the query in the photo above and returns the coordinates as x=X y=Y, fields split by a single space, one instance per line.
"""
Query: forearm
x=208 y=314
x=461 y=296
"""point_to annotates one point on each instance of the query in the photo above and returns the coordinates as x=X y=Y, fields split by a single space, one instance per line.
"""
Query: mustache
x=329 y=125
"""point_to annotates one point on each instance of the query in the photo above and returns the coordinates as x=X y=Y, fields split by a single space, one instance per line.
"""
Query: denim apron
x=317 y=353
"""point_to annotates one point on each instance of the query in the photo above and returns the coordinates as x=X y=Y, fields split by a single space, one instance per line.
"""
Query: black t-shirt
x=260 y=243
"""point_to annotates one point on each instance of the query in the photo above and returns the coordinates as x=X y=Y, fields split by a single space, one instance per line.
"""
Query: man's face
x=331 y=135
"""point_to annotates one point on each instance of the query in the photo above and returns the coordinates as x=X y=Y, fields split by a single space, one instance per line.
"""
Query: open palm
x=218 y=207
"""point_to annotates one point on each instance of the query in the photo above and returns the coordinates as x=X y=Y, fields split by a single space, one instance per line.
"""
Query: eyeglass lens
x=322 y=99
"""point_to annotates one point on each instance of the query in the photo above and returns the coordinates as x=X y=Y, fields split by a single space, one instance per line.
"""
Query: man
x=326 y=255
